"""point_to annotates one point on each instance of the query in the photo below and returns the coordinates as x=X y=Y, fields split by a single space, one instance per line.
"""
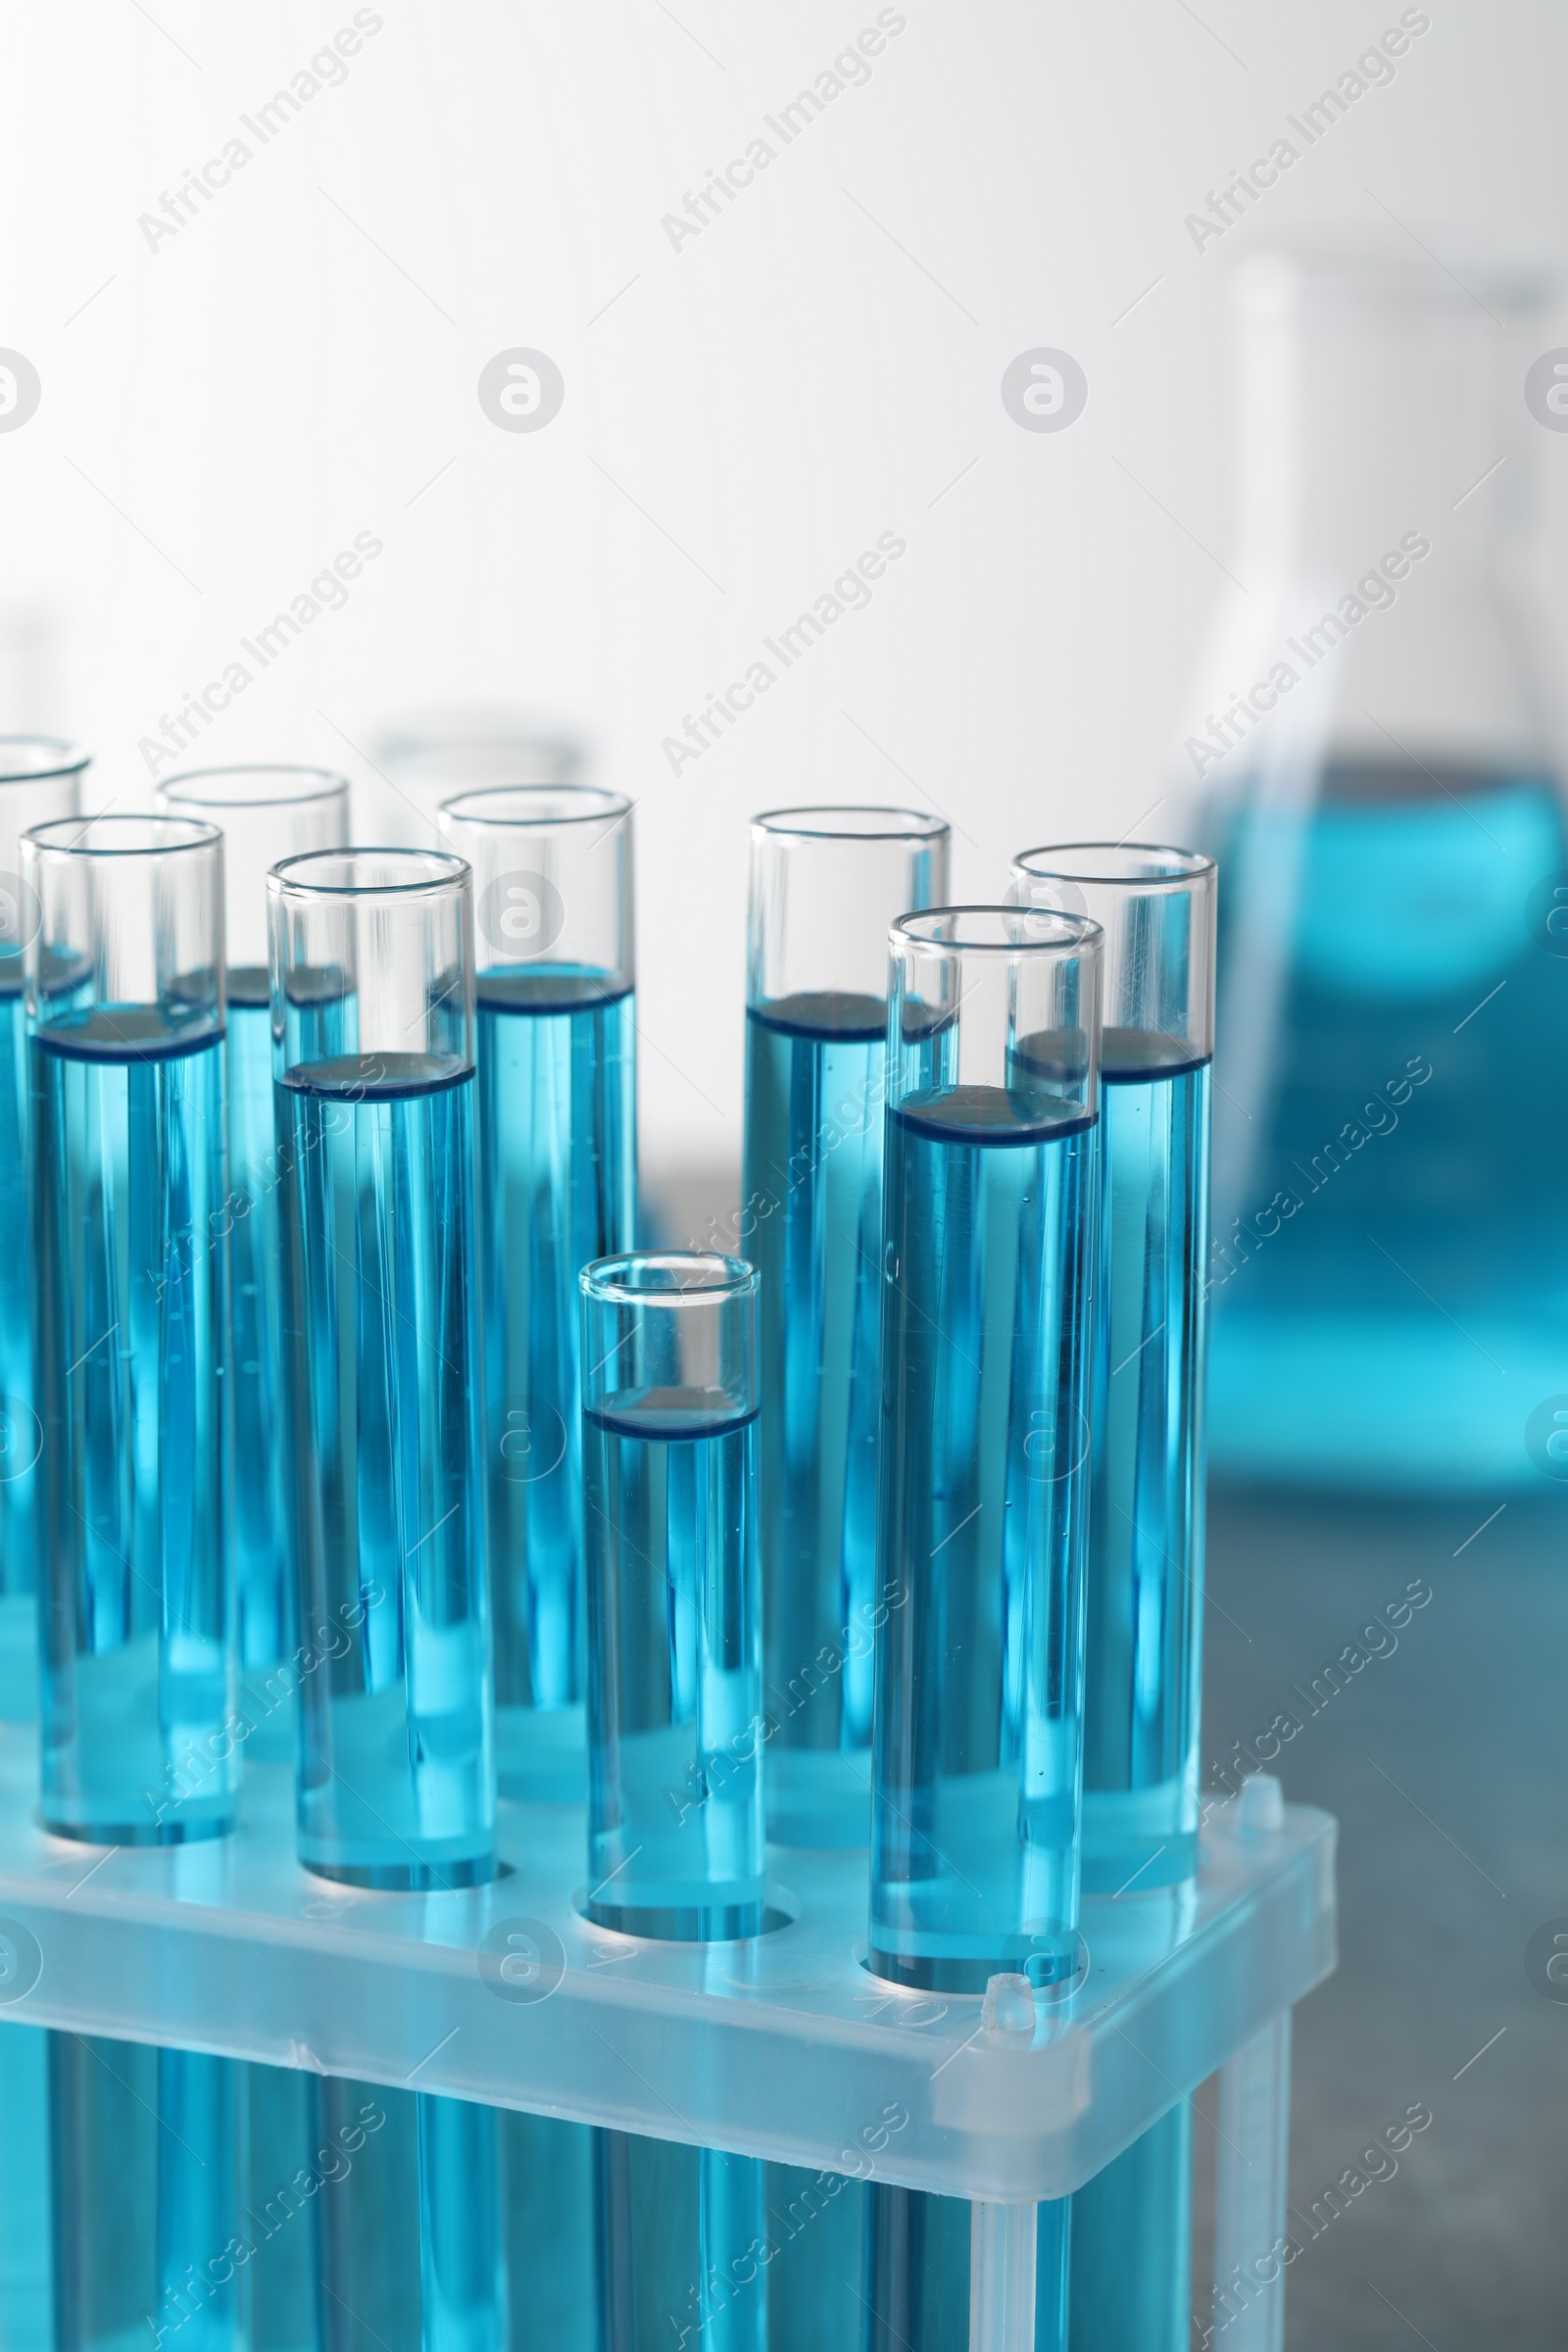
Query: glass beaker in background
x=430 y=758
x=1389 y=1279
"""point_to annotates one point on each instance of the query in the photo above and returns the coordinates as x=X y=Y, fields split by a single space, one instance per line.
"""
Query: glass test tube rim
x=442 y=732
x=912 y=825
x=571 y=809
x=441 y=872
x=722 y=1277
x=195 y=833
x=1322 y=264
x=1176 y=870
x=1066 y=935
x=65 y=757
x=328 y=785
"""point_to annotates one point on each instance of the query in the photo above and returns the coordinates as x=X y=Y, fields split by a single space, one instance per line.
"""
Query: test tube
x=825 y=885
x=124 y=996
x=1131 y=2226
x=1145 y=1576
x=373 y=1035
x=558 y=1181
x=266 y=813
x=675 y=1727
x=26 y=2273
x=40 y=779
x=463 y=2281
x=989 y=1236
x=1131 y=2278
x=201 y=2200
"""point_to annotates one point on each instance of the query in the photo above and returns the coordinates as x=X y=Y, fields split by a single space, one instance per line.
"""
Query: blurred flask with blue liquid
x=1389 y=1268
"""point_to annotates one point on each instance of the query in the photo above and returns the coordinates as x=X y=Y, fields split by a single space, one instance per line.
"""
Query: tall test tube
x=989 y=1231
x=373 y=1033
x=266 y=813
x=1131 y=2226
x=125 y=993
x=1142 y=1641
x=675 y=1724
x=40 y=779
x=825 y=885
x=558 y=1179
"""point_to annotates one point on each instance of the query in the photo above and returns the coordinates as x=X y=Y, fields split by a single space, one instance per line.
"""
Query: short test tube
x=675 y=1724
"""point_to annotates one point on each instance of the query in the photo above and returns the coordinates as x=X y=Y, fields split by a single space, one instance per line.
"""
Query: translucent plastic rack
x=781 y=2047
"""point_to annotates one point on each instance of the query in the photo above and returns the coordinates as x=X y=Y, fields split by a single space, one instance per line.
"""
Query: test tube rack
x=782 y=2046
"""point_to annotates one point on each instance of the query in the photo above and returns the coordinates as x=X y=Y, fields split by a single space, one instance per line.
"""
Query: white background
x=221 y=415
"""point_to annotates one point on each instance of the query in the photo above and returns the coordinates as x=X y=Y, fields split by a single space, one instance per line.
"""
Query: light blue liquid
x=647 y=2231
x=1132 y=2228
x=20 y=1432
x=915 y=2290
x=380 y=1312
x=732 y=2230
x=915 y=2293
x=814 y=2224
x=688 y=2246
x=990 y=1222
x=811 y=1224
x=549 y=2219
x=364 y=2228
x=149 y=2191
x=27 y=2285
x=277 y=2227
x=201 y=2198
x=440 y=2225
x=675 y=1728
x=1143 y=1618
x=1391 y=1263
x=104 y=2131
x=139 y=1660
x=257 y=1500
x=557 y=1189
x=462 y=2269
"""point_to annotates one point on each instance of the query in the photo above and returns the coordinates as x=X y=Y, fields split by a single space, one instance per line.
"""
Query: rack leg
x=1001 y=2278
x=1251 y=2225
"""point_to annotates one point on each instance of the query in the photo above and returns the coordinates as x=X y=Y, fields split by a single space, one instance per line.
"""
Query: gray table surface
x=1447 y=1763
